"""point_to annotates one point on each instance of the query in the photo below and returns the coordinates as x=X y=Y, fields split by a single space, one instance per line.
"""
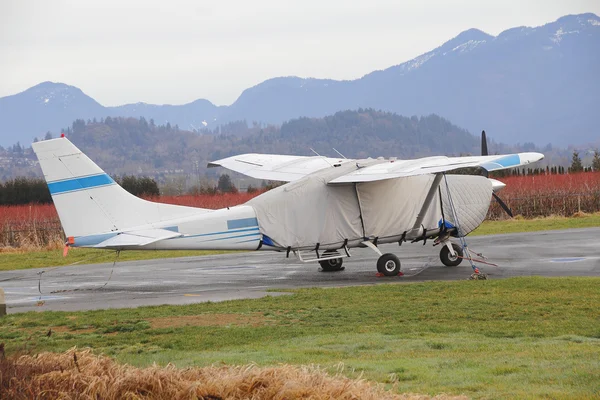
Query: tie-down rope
x=463 y=241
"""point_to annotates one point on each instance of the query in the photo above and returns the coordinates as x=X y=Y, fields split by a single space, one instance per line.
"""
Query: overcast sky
x=176 y=51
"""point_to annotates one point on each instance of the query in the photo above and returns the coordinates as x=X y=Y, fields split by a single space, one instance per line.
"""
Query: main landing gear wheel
x=448 y=259
x=388 y=265
x=332 y=265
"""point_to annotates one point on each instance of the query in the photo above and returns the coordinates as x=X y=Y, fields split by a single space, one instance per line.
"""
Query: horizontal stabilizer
x=141 y=237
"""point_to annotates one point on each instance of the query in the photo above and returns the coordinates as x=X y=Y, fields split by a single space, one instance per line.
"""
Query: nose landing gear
x=449 y=259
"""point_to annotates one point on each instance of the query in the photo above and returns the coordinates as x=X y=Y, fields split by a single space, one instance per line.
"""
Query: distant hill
x=136 y=146
x=535 y=85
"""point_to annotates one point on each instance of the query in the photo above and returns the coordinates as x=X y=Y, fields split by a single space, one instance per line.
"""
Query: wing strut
x=430 y=195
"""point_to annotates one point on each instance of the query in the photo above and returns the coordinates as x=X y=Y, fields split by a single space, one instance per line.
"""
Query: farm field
x=36 y=226
x=513 y=338
x=533 y=196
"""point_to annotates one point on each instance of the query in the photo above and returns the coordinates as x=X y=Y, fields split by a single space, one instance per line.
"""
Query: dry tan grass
x=580 y=214
x=82 y=375
x=24 y=242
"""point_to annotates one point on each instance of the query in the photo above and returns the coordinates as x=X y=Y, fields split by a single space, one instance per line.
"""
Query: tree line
x=20 y=191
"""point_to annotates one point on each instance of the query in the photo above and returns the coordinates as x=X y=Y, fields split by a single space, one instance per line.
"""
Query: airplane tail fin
x=89 y=201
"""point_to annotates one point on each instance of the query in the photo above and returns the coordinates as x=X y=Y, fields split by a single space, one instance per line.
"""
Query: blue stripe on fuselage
x=79 y=183
x=233 y=237
x=242 y=223
x=221 y=233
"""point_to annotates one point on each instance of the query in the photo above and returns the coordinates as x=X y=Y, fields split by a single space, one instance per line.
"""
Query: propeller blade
x=503 y=205
x=484 y=149
x=484 y=152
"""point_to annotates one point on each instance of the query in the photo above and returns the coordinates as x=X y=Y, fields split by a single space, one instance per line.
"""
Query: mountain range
x=539 y=85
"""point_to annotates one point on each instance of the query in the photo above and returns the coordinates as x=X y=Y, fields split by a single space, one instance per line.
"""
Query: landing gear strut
x=388 y=265
x=450 y=260
x=333 y=265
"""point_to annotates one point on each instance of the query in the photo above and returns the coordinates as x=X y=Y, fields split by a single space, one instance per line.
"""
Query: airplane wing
x=276 y=167
x=431 y=165
x=138 y=238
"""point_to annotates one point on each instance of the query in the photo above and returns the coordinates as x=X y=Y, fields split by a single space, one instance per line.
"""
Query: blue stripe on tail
x=80 y=183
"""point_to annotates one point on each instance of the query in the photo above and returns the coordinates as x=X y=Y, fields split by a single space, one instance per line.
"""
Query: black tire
x=388 y=265
x=332 y=265
x=447 y=258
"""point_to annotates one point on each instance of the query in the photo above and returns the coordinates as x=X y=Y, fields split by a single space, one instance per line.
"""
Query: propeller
x=503 y=205
x=484 y=152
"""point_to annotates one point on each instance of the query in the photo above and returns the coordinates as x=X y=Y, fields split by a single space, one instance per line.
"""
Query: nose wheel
x=450 y=260
x=388 y=265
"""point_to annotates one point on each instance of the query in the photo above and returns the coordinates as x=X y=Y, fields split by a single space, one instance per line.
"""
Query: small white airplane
x=329 y=206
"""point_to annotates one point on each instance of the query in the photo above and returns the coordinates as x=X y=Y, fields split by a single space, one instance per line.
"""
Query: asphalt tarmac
x=187 y=280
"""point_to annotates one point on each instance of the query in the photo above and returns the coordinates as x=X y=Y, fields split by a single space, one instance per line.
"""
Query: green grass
x=39 y=259
x=511 y=338
x=51 y=258
x=517 y=225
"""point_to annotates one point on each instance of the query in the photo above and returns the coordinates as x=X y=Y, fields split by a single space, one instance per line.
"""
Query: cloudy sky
x=176 y=51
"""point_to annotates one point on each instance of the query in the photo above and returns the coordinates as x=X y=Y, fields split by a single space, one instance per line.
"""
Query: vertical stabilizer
x=89 y=201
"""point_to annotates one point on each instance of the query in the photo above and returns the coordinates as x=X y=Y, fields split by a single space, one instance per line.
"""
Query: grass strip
x=53 y=258
x=519 y=224
x=527 y=337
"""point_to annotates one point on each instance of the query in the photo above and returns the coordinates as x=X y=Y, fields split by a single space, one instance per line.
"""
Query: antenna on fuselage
x=324 y=158
x=343 y=156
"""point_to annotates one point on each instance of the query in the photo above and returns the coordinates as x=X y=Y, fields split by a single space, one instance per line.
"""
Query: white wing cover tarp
x=308 y=211
x=471 y=197
x=390 y=207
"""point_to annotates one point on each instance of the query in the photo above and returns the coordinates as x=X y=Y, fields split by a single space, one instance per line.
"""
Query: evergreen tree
x=225 y=185
x=79 y=126
x=596 y=161
x=24 y=191
x=576 y=165
x=139 y=186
